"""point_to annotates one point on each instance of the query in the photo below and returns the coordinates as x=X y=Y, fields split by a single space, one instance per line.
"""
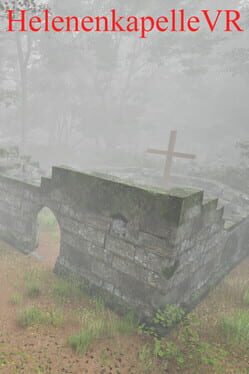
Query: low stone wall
x=142 y=248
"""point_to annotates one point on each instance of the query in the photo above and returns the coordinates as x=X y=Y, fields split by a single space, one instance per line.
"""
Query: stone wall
x=141 y=248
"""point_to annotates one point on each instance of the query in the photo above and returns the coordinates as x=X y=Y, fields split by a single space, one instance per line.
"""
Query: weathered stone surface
x=158 y=245
x=130 y=268
x=142 y=247
x=150 y=260
x=84 y=230
x=120 y=247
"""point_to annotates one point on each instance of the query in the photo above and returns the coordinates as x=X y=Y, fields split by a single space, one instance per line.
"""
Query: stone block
x=120 y=247
x=87 y=232
x=130 y=268
x=151 y=261
x=156 y=244
x=144 y=245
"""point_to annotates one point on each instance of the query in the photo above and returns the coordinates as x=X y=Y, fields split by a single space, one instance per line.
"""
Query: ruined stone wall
x=142 y=248
x=17 y=205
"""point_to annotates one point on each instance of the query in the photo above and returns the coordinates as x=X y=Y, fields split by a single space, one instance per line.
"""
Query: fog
x=99 y=100
x=144 y=275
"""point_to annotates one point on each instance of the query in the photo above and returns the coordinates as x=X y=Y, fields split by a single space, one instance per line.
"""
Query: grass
x=236 y=327
x=81 y=342
x=100 y=323
x=34 y=282
x=16 y=299
x=105 y=358
x=34 y=276
x=146 y=358
x=170 y=316
x=33 y=290
x=48 y=222
x=65 y=289
x=246 y=297
x=212 y=339
x=3 y=360
x=34 y=316
x=95 y=322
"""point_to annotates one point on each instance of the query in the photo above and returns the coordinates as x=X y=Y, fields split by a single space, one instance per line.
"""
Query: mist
x=100 y=100
x=124 y=179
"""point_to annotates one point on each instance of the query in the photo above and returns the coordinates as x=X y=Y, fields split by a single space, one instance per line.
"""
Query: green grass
x=67 y=289
x=99 y=323
x=170 y=316
x=16 y=299
x=81 y=342
x=47 y=219
x=33 y=282
x=246 y=297
x=33 y=290
x=146 y=358
x=48 y=222
x=3 y=360
x=33 y=316
x=182 y=349
x=34 y=275
x=105 y=358
x=236 y=327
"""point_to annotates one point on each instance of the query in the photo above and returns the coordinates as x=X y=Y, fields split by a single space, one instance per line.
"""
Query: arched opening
x=48 y=237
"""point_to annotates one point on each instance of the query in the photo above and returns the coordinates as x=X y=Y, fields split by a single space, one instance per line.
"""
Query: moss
x=108 y=195
x=175 y=192
x=183 y=192
x=168 y=272
x=229 y=225
x=210 y=204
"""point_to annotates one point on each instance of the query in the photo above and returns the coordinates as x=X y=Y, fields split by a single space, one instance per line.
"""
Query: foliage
x=148 y=330
x=185 y=348
x=195 y=345
x=169 y=351
x=64 y=289
x=16 y=299
x=170 y=316
x=81 y=342
x=146 y=358
x=34 y=282
x=3 y=360
x=33 y=290
x=33 y=316
x=47 y=220
x=109 y=81
x=99 y=323
x=236 y=327
x=168 y=272
x=246 y=297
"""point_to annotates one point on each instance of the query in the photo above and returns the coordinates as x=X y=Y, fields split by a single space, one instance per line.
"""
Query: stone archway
x=48 y=237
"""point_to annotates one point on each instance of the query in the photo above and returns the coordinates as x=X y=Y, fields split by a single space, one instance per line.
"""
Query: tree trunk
x=23 y=60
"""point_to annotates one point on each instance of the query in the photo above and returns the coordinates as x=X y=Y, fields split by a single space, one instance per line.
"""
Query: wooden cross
x=170 y=153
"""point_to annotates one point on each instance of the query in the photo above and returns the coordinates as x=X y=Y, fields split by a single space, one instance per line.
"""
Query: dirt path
x=48 y=249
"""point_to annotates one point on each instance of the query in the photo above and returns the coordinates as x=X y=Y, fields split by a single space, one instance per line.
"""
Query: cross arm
x=188 y=156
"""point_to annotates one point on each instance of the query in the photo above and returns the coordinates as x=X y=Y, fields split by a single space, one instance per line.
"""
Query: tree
x=109 y=87
x=24 y=46
x=105 y=80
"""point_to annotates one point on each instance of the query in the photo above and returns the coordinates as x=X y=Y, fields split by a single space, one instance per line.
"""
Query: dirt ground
x=43 y=349
x=48 y=249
